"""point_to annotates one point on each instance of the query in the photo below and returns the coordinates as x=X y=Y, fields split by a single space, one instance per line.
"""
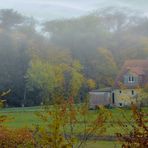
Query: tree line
x=69 y=56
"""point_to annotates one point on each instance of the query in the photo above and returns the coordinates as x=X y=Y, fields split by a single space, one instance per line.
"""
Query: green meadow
x=26 y=117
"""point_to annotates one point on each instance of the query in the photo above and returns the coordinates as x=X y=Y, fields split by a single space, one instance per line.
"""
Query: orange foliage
x=138 y=135
x=12 y=138
x=62 y=123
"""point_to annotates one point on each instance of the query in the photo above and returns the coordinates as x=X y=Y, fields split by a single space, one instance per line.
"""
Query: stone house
x=132 y=77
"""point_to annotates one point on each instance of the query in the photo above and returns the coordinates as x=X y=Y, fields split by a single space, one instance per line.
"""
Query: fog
x=53 y=9
x=90 y=39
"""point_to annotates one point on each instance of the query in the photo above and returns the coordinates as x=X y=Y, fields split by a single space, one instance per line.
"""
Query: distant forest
x=43 y=59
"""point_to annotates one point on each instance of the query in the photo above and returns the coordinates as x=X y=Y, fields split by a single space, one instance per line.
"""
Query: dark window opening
x=132 y=92
x=129 y=79
x=113 y=98
x=120 y=91
x=120 y=104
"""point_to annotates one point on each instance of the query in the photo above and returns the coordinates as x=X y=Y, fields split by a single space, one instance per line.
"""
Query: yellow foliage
x=62 y=121
x=91 y=84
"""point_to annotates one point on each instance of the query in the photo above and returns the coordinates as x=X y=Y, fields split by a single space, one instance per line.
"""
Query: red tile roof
x=136 y=63
x=137 y=70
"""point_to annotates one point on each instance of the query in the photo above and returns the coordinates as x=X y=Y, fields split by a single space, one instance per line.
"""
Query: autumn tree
x=62 y=125
x=53 y=77
x=135 y=130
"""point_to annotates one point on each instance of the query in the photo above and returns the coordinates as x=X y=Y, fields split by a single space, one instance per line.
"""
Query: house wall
x=124 y=97
x=131 y=83
x=116 y=98
x=99 y=98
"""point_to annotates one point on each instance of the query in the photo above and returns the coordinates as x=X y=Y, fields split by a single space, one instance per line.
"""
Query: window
x=120 y=104
x=131 y=79
x=133 y=92
x=113 y=98
x=120 y=91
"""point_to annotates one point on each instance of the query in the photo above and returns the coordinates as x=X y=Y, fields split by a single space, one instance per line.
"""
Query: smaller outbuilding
x=100 y=97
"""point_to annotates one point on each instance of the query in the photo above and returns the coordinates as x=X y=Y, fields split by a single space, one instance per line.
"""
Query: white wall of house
x=99 y=98
x=116 y=98
x=124 y=97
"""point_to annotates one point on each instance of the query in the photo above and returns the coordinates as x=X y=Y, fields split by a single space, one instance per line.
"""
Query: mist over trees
x=78 y=50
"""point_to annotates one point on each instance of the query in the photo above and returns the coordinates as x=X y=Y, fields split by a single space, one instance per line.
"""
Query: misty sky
x=52 y=9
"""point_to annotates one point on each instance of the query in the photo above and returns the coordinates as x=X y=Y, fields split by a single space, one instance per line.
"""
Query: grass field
x=103 y=144
x=26 y=117
x=21 y=117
